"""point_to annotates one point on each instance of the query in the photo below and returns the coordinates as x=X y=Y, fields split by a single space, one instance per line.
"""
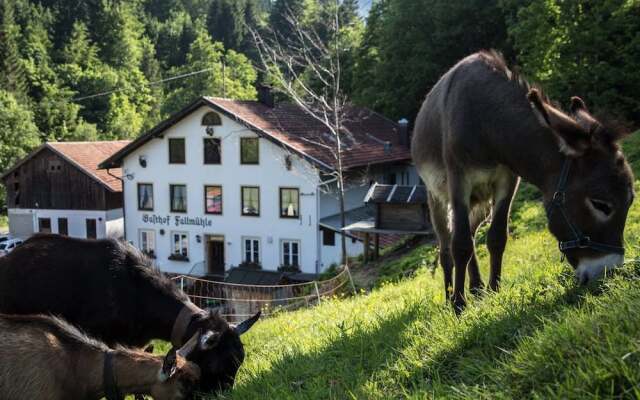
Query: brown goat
x=46 y=358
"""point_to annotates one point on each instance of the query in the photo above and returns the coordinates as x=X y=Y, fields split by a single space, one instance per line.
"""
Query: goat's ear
x=573 y=139
x=208 y=340
x=190 y=346
x=245 y=325
x=169 y=366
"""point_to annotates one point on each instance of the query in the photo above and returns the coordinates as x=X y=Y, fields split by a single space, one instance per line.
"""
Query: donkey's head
x=588 y=200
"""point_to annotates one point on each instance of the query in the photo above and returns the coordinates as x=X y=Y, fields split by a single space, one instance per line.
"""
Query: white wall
x=270 y=174
x=76 y=220
x=332 y=254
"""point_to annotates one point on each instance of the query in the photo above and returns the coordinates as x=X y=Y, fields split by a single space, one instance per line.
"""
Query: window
x=212 y=151
x=176 y=151
x=211 y=118
x=251 y=250
x=390 y=179
x=213 y=199
x=289 y=203
x=16 y=189
x=63 y=226
x=44 y=225
x=291 y=253
x=250 y=200
x=148 y=242
x=178 y=195
x=328 y=237
x=249 y=151
x=92 y=232
x=180 y=246
x=55 y=165
x=145 y=196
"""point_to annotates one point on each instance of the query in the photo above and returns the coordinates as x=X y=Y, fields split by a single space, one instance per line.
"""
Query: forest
x=110 y=69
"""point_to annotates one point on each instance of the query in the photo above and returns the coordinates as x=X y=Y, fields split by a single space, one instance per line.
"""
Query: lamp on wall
x=162 y=232
x=210 y=130
x=143 y=161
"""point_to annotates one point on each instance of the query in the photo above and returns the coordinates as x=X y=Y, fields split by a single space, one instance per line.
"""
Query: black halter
x=580 y=241
x=111 y=390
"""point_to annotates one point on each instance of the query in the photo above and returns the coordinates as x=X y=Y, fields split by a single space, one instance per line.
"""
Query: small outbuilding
x=397 y=210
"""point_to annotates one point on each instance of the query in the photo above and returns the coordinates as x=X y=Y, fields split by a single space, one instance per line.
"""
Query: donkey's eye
x=603 y=206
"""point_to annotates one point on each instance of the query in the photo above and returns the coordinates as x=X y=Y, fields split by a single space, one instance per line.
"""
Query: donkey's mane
x=496 y=61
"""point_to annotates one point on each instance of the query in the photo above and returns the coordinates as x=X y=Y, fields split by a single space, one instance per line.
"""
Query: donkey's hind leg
x=499 y=229
x=478 y=215
x=439 y=219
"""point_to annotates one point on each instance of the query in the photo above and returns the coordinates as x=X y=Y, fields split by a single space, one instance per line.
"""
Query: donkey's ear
x=573 y=139
x=538 y=107
x=577 y=104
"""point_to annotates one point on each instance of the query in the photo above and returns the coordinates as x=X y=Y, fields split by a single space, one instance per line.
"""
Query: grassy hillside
x=542 y=336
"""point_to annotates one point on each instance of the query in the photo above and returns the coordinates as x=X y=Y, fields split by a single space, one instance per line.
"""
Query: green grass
x=540 y=337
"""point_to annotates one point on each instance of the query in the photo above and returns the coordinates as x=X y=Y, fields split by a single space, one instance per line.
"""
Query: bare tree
x=306 y=69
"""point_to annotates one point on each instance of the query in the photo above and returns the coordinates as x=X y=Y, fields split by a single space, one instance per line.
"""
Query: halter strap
x=111 y=391
x=181 y=324
x=580 y=241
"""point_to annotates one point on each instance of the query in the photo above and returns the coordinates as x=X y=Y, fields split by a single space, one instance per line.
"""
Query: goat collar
x=111 y=391
x=184 y=318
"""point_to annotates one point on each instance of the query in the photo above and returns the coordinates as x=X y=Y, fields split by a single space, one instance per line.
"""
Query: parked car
x=4 y=238
x=8 y=245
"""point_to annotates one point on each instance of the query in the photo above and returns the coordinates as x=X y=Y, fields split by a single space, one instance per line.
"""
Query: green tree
x=18 y=133
x=79 y=49
x=409 y=44
x=589 y=49
x=12 y=74
x=229 y=74
x=118 y=33
x=282 y=11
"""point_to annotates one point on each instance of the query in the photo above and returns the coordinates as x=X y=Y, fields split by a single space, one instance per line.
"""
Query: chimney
x=403 y=132
x=265 y=96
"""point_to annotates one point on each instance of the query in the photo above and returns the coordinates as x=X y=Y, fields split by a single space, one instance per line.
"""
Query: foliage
x=589 y=49
x=18 y=132
x=409 y=44
x=541 y=336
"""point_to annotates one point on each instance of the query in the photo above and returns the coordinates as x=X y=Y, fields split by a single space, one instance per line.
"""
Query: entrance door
x=215 y=264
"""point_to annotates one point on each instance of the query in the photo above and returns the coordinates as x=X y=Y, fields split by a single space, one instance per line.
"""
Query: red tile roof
x=290 y=125
x=87 y=156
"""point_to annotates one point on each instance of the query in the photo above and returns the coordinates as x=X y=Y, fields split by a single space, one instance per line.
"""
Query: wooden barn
x=394 y=210
x=58 y=188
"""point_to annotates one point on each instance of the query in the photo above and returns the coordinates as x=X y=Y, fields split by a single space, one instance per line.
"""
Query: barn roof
x=396 y=194
x=85 y=156
x=375 y=139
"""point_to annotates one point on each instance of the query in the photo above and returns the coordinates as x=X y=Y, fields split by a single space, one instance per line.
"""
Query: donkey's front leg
x=462 y=249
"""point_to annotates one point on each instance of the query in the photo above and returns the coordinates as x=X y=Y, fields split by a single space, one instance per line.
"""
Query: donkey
x=109 y=289
x=46 y=358
x=479 y=130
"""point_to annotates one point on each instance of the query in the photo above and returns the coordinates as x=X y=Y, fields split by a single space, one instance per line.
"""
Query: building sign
x=176 y=220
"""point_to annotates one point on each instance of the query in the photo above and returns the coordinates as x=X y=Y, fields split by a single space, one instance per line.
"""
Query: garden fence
x=237 y=302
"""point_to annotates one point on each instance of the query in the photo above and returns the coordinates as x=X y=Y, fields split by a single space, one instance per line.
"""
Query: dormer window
x=211 y=119
x=176 y=151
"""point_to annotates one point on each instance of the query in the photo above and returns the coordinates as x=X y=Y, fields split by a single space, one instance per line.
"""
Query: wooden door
x=216 y=257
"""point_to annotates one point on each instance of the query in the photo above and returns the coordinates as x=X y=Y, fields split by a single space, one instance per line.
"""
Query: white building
x=58 y=188
x=226 y=183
